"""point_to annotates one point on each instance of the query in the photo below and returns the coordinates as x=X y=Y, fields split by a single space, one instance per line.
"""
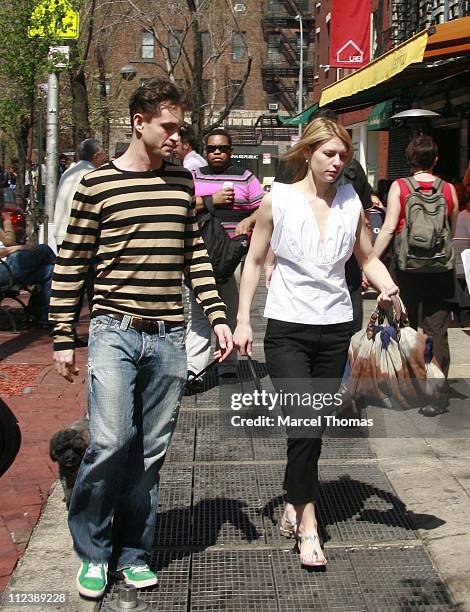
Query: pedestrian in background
x=90 y=155
x=186 y=149
x=428 y=290
x=235 y=194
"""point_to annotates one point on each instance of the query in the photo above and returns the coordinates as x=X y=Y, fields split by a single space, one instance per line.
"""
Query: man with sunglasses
x=235 y=195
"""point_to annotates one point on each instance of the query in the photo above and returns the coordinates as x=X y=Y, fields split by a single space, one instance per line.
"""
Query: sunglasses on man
x=221 y=148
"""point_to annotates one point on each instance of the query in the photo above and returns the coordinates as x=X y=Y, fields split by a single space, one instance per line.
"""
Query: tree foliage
x=192 y=42
x=24 y=63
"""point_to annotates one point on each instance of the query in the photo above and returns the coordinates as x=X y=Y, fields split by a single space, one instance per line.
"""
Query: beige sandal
x=288 y=528
x=314 y=558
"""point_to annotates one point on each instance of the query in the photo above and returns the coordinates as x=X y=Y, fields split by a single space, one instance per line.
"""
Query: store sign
x=350 y=34
x=245 y=156
x=266 y=158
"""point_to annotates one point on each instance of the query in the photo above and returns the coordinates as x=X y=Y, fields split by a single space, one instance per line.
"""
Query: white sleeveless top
x=308 y=283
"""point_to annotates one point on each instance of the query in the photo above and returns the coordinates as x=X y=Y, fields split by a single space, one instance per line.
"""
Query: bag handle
x=399 y=319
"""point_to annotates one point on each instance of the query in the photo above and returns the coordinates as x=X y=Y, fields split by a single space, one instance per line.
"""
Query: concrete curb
x=49 y=563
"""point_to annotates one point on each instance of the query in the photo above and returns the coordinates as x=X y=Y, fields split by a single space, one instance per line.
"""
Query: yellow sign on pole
x=54 y=18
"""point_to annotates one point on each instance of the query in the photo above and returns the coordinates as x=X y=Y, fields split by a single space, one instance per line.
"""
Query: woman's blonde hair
x=316 y=133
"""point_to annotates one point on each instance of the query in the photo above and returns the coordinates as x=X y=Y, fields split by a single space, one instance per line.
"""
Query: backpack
x=424 y=244
x=224 y=252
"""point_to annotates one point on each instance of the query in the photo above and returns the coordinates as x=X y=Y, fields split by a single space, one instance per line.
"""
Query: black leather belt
x=148 y=326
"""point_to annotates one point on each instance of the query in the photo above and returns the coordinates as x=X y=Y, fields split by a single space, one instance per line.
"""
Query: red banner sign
x=350 y=33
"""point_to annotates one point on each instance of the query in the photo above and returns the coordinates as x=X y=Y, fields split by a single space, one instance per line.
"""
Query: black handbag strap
x=254 y=374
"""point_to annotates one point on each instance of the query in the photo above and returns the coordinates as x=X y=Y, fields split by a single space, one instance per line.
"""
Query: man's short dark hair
x=220 y=132
x=187 y=136
x=148 y=98
x=421 y=152
x=87 y=148
x=326 y=113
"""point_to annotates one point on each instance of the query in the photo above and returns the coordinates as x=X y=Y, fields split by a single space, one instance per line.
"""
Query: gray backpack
x=424 y=245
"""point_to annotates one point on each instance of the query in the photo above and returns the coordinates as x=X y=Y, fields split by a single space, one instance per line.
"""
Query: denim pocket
x=176 y=336
x=100 y=324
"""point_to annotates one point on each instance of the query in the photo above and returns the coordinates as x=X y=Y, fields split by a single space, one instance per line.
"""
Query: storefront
x=261 y=160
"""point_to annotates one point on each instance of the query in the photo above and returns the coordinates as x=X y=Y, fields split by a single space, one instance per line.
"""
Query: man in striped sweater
x=135 y=219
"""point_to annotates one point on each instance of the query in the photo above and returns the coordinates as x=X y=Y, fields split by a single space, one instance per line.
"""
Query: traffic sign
x=54 y=18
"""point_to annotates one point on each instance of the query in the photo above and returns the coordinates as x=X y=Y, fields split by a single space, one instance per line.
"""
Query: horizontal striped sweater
x=247 y=192
x=139 y=230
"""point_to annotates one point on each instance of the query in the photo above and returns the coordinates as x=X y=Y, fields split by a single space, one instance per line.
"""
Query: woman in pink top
x=429 y=290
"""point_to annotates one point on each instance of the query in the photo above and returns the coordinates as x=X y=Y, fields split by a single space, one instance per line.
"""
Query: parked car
x=8 y=203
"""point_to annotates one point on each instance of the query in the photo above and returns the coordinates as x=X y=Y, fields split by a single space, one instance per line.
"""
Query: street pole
x=51 y=154
x=58 y=57
x=301 y=71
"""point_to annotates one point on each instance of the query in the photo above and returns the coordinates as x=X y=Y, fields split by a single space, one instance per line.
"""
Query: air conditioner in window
x=273 y=106
x=239 y=7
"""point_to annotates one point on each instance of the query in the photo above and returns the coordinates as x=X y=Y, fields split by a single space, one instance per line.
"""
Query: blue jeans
x=135 y=384
x=30 y=267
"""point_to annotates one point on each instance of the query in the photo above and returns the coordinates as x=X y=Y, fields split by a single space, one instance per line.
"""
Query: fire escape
x=411 y=16
x=281 y=63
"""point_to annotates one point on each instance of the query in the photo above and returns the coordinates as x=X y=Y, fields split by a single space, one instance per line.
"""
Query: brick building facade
x=267 y=31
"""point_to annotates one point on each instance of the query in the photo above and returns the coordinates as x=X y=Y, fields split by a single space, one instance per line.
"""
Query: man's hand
x=223 y=197
x=224 y=340
x=245 y=226
x=65 y=363
x=243 y=339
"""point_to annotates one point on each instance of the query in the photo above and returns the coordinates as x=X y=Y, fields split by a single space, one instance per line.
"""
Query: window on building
x=174 y=43
x=206 y=45
x=238 y=46
x=240 y=99
x=303 y=5
x=274 y=44
x=306 y=41
x=148 y=46
x=275 y=6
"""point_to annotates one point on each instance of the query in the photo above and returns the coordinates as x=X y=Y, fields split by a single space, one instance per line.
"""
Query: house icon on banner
x=350 y=54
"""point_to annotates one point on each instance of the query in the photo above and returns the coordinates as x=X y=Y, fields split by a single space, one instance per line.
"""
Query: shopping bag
x=392 y=365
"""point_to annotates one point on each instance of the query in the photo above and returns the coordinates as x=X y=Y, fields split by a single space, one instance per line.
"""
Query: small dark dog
x=68 y=447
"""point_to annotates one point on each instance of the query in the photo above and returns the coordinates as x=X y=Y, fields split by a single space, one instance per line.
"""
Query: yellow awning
x=378 y=71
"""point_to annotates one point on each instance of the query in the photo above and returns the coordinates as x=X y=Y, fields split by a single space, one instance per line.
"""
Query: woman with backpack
x=313 y=226
x=421 y=215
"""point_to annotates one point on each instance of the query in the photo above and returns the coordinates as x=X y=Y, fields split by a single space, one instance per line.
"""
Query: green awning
x=301 y=119
x=379 y=116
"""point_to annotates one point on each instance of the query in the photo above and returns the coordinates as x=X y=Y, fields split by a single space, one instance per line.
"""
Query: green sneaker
x=139 y=576
x=91 y=579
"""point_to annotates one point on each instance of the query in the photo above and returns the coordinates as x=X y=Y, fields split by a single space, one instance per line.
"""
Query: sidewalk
x=395 y=512
x=44 y=404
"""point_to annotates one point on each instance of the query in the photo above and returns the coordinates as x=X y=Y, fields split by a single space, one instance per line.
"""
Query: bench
x=12 y=291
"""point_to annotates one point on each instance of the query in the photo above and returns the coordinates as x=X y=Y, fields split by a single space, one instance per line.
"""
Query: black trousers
x=431 y=292
x=296 y=355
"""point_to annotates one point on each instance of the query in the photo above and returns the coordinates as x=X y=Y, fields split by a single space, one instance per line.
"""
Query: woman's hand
x=385 y=297
x=243 y=339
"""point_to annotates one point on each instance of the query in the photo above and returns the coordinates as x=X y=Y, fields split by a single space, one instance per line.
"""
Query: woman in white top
x=313 y=228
